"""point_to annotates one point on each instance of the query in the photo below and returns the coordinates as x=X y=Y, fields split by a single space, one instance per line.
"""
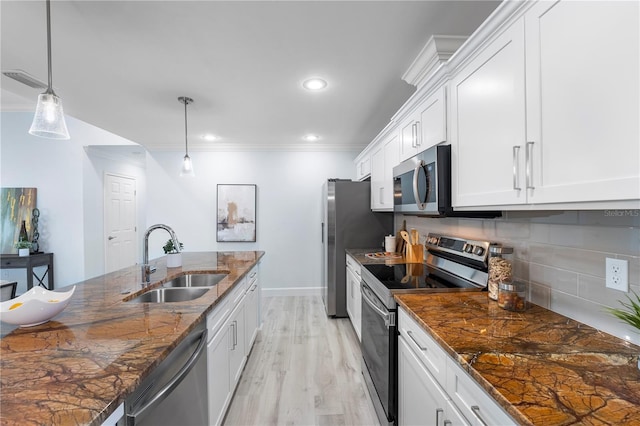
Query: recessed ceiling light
x=311 y=138
x=314 y=84
x=210 y=138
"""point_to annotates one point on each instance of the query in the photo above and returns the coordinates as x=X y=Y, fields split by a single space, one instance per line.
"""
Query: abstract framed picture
x=16 y=205
x=236 y=213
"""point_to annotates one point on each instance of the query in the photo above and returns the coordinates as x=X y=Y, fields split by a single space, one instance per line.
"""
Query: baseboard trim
x=291 y=291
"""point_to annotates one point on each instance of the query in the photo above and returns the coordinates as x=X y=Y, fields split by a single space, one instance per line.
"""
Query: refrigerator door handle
x=322 y=234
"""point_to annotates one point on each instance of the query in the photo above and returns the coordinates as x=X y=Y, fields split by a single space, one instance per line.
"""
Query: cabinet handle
x=418 y=142
x=438 y=412
x=413 y=136
x=447 y=422
x=529 y=165
x=231 y=334
x=516 y=168
x=235 y=334
x=410 y=334
x=476 y=412
x=382 y=195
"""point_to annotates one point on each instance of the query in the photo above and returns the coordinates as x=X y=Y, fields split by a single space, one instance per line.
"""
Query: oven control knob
x=468 y=248
x=479 y=251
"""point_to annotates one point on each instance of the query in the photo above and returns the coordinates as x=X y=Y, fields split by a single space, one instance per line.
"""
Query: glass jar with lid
x=512 y=295
x=500 y=268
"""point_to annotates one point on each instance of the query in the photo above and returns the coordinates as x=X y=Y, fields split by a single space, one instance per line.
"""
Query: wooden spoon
x=405 y=236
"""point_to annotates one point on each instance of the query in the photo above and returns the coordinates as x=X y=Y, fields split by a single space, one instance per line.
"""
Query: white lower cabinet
x=233 y=325
x=354 y=297
x=252 y=310
x=421 y=400
x=433 y=389
x=218 y=381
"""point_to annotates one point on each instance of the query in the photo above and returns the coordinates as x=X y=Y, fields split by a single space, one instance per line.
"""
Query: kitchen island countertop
x=541 y=367
x=78 y=367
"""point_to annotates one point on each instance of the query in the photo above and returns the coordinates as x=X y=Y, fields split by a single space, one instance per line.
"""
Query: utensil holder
x=413 y=253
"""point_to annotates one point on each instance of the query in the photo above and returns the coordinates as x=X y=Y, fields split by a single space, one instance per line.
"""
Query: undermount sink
x=195 y=280
x=171 y=294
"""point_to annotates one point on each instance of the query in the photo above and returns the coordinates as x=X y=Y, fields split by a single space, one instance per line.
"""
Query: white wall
x=99 y=161
x=70 y=189
x=55 y=168
x=288 y=207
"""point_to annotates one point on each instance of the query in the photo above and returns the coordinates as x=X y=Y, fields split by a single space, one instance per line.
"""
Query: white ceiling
x=121 y=65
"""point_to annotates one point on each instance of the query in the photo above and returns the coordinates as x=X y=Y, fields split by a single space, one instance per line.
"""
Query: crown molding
x=435 y=53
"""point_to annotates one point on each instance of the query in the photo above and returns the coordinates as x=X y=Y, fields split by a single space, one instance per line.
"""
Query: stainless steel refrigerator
x=347 y=223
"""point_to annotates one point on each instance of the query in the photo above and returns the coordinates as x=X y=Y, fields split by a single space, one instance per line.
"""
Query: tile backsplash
x=562 y=256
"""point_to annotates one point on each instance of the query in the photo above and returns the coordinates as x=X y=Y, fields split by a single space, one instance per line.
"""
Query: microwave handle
x=421 y=206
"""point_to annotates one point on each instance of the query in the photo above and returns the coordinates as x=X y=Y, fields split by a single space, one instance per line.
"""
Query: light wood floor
x=304 y=369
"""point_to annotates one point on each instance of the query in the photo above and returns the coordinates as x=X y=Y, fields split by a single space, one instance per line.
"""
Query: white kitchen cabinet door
x=433 y=120
x=237 y=354
x=363 y=166
x=488 y=124
x=377 y=178
x=252 y=310
x=219 y=383
x=583 y=101
x=409 y=136
x=354 y=298
x=421 y=400
x=383 y=160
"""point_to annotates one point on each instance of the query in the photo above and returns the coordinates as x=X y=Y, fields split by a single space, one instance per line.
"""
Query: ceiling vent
x=24 y=78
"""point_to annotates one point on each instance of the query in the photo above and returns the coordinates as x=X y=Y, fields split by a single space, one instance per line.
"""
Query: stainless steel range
x=452 y=264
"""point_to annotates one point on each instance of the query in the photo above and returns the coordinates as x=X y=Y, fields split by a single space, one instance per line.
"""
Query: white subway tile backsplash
x=558 y=279
x=562 y=255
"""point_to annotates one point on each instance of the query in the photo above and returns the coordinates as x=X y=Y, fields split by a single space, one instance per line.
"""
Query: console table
x=13 y=261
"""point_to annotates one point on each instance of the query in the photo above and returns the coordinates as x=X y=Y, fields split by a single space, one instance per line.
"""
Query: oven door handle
x=389 y=317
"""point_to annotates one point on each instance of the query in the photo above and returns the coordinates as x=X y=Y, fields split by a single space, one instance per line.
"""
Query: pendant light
x=48 y=121
x=187 y=166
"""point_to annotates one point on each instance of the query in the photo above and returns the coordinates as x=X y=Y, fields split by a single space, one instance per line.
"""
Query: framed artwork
x=17 y=204
x=236 y=213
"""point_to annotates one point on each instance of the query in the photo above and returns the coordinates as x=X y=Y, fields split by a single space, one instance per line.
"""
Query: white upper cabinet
x=363 y=165
x=488 y=124
x=583 y=85
x=425 y=127
x=383 y=160
x=546 y=114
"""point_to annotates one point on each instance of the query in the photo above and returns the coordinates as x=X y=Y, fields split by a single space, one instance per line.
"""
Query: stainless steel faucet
x=146 y=268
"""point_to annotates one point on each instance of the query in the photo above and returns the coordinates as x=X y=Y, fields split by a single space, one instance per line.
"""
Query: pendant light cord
x=186 y=144
x=50 y=88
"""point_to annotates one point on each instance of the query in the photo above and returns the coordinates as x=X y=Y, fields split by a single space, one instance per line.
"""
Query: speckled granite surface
x=361 y=256
x=77 y=368
x=543 y=368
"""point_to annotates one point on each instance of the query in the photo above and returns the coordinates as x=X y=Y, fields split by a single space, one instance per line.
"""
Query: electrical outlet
x=617 y=275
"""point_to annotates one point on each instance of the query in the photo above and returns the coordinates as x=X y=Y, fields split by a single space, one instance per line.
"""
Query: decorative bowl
x=34 y=307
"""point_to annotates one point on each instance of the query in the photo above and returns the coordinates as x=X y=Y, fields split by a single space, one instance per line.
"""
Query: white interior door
x=119 y=222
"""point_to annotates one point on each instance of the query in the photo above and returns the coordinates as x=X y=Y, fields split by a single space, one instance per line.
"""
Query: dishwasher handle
x=173 y=383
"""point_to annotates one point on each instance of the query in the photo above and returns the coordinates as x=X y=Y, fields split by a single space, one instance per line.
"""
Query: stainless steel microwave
x=422 y=184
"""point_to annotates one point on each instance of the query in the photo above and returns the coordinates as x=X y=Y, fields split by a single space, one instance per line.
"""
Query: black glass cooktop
x=410 y=276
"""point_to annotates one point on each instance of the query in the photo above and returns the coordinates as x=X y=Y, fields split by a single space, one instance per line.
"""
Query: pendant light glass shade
x=187 y=165
x=48 y=121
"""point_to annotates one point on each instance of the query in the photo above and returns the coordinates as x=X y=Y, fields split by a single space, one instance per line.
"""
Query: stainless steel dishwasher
x=176 y=391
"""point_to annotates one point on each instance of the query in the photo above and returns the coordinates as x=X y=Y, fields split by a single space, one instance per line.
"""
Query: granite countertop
x=77 y=368
x=360 y=255
x=541 y=367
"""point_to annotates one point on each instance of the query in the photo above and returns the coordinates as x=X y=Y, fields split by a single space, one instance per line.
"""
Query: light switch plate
x=617 y=274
